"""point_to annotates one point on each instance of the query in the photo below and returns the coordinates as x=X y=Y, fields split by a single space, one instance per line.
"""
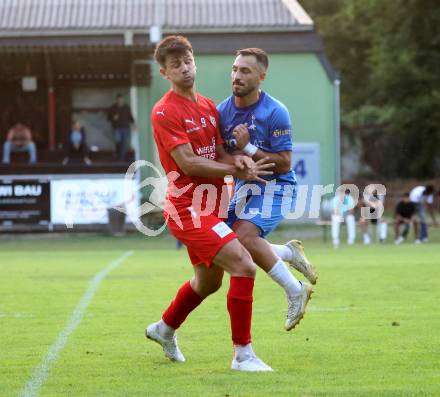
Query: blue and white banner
x=306 y=164
x=85 y=201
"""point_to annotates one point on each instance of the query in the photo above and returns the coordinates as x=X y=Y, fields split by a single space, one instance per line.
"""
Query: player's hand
x=260 y=168
x=241 y=135
x=241 y=162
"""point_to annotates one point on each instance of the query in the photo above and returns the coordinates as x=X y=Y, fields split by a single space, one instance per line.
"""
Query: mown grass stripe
x=40 y=374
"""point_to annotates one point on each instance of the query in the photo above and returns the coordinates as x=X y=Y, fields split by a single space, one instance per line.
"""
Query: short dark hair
x=119 y=95
x=406 y=194
x=258 y=53
x=171 y=45
x=429 y=189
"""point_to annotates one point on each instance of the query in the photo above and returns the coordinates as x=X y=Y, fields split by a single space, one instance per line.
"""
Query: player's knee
x=244 y=265
x=247 y=241
x=236 y=260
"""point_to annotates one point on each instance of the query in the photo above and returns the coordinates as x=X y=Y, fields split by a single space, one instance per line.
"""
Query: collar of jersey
x=184 y=99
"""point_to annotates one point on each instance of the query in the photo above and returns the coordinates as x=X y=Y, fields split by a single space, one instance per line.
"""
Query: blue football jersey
x=269 y=126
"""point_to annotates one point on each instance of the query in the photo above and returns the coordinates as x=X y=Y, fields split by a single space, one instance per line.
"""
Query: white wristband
x=250 y=149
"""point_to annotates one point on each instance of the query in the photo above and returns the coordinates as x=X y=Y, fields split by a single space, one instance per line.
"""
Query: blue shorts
x=264 y=205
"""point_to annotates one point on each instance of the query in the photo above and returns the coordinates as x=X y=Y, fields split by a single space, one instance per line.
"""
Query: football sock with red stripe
x=183 y=304
x=240 y=308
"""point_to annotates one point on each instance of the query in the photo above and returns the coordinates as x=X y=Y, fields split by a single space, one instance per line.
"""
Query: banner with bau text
x=24 y=201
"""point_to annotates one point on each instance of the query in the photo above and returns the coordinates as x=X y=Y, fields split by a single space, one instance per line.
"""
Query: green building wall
x=298 y=80
x=147 y=97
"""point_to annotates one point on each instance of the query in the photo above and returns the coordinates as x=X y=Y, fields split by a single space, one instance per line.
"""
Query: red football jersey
x=177 y=120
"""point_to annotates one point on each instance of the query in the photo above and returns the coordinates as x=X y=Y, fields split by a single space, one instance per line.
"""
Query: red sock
x=183 y=304
x=240 y=309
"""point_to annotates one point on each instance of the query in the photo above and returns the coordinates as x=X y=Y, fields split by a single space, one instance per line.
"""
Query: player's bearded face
x=180 y=70
x=246 y=75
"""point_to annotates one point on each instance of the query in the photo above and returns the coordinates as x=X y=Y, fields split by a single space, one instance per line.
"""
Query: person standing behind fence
x=423 y=199
x=343 y=205
x=404 y=214
x=121 y=118
x=373 y=202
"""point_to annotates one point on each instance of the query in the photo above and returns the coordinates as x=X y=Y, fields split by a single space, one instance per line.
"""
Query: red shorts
x=203 y=236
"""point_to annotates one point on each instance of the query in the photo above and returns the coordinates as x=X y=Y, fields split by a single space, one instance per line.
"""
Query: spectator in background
x=404 y=214
x=373 y=202
x=343 y=205
x=423 y=199
x=19 y=139
x=120 y=117
x=77 y=147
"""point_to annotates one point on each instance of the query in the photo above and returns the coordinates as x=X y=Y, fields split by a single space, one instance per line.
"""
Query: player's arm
x=194 y=165
x=236 y=158
x=282 y=160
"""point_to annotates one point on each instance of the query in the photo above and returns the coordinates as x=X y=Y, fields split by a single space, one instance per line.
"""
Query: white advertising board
x=306 y=163
x=85 y=201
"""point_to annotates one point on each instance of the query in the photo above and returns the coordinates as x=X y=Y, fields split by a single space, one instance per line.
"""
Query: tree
x=387 y=53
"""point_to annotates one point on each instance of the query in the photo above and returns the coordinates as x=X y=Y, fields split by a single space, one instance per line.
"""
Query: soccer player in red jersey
x=191 y=151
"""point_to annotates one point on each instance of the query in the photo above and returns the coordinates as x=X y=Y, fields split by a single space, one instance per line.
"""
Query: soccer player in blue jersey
x=256 y=124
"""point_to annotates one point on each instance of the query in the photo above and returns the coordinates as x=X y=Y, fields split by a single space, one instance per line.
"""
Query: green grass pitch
x=371 y=329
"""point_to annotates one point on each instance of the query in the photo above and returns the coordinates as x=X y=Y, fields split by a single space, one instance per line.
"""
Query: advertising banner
x=85 y=201
x=306 y=164
x=25 y=201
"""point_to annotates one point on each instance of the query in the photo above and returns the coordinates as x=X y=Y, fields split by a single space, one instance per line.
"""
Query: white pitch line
x=39 y=376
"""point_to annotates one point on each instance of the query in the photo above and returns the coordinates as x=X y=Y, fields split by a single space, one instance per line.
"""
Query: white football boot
x=297 y=306
x=246 y=360
x=168 y=343
x=300 y=262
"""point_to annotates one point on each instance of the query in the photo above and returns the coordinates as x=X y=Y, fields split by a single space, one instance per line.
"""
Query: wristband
x=250 y=149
